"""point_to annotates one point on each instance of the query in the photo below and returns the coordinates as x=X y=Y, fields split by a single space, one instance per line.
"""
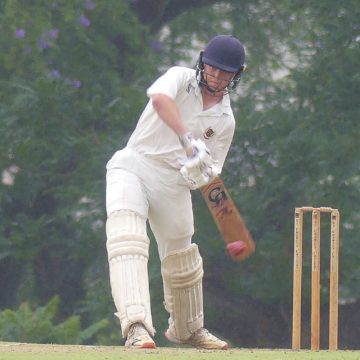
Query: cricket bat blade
x=227 y=217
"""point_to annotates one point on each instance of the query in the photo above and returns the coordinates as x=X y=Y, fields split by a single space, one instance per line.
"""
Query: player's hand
x=197 y=153
x=195 y=179
x=189 y=144
x=200 y=169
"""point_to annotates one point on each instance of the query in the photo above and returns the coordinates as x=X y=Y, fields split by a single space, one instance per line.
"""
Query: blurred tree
x=65 y=87
x=73 y=80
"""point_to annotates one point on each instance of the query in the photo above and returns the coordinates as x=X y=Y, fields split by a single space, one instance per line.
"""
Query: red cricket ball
x=236 y=248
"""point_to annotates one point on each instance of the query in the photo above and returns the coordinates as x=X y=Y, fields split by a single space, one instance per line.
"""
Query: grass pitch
x=18 y=351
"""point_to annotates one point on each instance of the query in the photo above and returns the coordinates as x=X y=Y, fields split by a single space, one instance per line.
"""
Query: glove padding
x=199 y=169
x=196 y=178
x=188 y=143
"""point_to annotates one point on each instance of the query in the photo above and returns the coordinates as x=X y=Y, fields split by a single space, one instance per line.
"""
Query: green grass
x=12 y=351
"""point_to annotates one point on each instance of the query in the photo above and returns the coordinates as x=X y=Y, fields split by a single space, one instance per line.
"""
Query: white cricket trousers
x=155 y=191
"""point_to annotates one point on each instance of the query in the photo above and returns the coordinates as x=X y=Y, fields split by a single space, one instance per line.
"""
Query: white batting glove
x=199 y=170
x=197 y=177
x=213 y=171
x=196 y=151
x=187 y=142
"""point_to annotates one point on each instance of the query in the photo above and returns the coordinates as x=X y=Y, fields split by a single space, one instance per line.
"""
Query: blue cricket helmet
x=224 y=52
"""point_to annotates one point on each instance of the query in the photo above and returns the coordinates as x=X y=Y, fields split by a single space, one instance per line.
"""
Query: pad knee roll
x=182 y=273
x=128 y=252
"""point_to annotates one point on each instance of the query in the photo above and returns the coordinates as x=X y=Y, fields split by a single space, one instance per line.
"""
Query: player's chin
x=216 y=90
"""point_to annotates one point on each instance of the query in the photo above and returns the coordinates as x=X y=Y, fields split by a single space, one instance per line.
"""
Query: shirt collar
x=223 y=107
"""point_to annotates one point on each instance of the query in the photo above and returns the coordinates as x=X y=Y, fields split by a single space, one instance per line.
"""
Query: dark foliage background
x=72 y=85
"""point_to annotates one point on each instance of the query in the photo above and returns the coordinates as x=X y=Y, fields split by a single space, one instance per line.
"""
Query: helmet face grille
x=224 y=52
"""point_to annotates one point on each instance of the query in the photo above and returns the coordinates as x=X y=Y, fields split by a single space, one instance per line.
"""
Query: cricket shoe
x=139 y=338
x=201 y=339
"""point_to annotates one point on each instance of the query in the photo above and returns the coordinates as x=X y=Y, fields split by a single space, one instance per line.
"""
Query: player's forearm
x=169 y=113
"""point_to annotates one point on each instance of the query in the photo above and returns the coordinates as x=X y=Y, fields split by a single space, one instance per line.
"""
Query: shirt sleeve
x=170 y=82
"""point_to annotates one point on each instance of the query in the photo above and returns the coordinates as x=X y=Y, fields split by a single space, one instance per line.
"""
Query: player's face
x=217 y=79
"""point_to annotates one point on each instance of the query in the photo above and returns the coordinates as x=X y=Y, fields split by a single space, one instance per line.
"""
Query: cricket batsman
x=179 y=144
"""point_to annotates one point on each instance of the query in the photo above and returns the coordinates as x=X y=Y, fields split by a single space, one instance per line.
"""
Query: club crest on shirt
x=209 y=132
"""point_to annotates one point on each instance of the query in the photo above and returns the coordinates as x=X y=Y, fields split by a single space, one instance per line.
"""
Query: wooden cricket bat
x=227 y=217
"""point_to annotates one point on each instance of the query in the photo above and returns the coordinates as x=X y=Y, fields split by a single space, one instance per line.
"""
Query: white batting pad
x=128 y=252
x=182 y=273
